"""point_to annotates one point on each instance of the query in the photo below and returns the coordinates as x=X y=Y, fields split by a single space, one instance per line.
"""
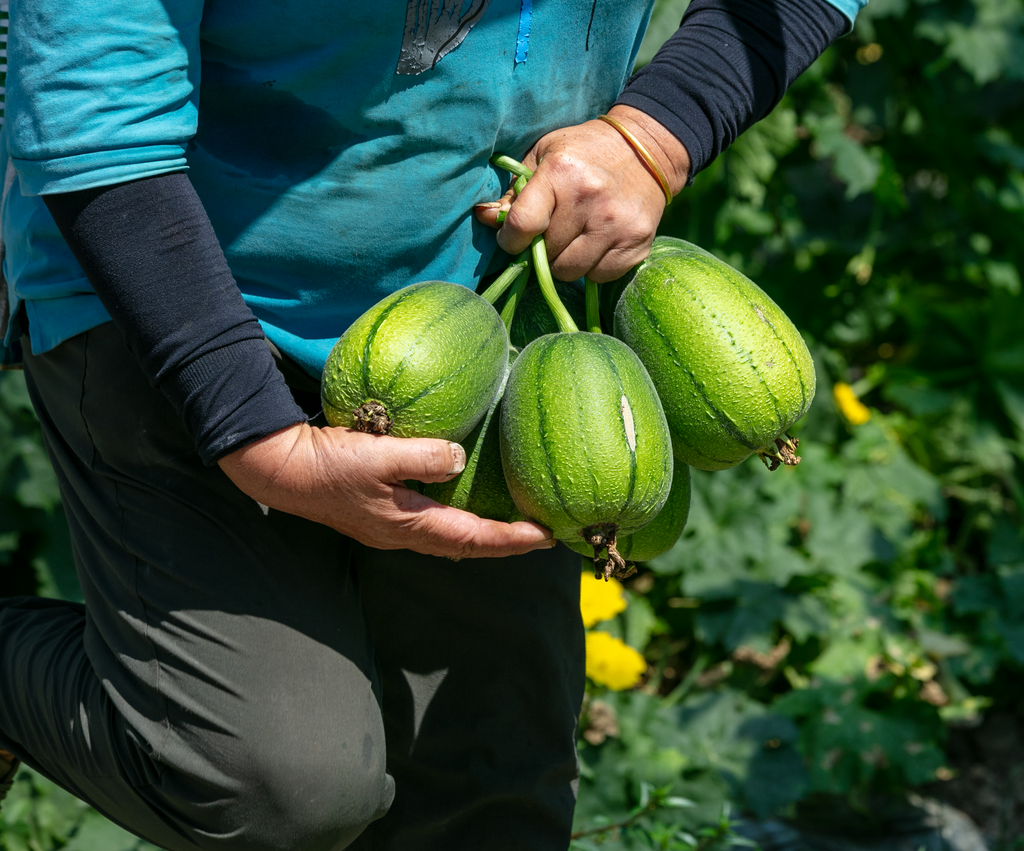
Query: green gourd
x=584 y=442
x=732 y=371
x=425 y=361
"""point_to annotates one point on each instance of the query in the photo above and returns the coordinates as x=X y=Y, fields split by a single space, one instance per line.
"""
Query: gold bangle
x=644 y=154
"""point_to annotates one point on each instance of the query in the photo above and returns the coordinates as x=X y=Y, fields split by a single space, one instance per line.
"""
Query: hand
x=592 y=196
x=353 y=482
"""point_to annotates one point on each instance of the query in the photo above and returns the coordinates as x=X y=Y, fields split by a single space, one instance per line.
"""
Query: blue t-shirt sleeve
x=848 y=9
x=137 y=62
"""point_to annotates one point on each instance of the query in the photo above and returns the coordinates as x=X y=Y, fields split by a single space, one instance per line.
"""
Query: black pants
x=242 y=680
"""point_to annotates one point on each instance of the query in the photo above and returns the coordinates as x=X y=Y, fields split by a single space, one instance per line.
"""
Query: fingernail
x=458 y=459
x=490 y=205
x=551 y=544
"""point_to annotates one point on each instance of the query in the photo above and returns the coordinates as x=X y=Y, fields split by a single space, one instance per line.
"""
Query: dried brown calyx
x=372 y=417
x=607 y=561
x=783 y=453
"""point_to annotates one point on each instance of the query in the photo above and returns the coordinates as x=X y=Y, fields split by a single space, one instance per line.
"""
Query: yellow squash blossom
x=600 y=600
x=855 y=411
x=613 y=663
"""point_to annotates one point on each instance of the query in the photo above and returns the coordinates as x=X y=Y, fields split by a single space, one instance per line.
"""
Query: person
x=281 y=645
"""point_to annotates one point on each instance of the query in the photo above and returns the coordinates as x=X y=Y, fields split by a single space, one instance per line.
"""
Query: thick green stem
x=506 y=278
x=593 y=302
x=519 y=185
x=508 y=311
x=539 y=251
x=547 y=287
x=511 y=165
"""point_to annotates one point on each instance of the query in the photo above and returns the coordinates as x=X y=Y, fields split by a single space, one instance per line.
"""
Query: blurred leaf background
x=818 y=635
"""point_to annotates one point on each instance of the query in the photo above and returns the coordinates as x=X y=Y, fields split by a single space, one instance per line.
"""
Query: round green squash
x=661 y=534
x=584 y=442
x=425 y=361
x=732 y=371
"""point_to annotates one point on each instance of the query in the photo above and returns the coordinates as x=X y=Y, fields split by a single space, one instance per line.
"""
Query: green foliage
x=35 y=551
x=38 y=815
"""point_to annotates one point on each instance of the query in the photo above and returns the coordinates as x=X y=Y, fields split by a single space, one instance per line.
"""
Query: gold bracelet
x=644 y=154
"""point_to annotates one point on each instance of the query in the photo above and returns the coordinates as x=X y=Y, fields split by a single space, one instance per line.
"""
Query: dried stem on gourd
x=784 y=454
x=372 y=418
x=601 y=536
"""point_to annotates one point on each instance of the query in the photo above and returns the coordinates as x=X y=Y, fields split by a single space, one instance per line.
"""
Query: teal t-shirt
x=338 y=147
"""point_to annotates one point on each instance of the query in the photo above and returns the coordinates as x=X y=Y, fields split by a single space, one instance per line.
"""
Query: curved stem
x=509 y=164
x=593 y=303
x=517 y=188
x=547 y=286
x=539 y=250
x=506 y=278
x=508 y=311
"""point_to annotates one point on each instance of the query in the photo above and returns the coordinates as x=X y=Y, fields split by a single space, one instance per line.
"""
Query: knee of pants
x=296 y=793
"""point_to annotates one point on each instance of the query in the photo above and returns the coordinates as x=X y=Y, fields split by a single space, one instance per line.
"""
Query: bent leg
x=483 y=668
x=218 y=689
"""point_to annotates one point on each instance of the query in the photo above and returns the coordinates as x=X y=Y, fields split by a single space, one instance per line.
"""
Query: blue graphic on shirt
x=430 y=36
x=523 y=41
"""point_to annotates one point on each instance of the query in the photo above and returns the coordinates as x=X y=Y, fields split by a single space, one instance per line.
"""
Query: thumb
x=490 y=213
x=425 y=459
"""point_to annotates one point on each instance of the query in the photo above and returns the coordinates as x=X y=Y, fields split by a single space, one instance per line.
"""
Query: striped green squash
x=732 y=371
x=584 y=442
x=425 y=361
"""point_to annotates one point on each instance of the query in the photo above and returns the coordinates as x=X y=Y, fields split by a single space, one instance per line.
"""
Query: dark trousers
x=247 y=680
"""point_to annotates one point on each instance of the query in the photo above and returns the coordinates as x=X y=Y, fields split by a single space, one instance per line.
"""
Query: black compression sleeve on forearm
x=727 y=67
x=151 y=254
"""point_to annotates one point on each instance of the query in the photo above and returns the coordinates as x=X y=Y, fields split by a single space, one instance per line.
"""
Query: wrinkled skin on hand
x=354 y=483
x=592 y=196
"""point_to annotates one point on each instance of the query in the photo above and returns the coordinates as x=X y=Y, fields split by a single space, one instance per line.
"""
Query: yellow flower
x=599 y=600
x=855 y=411
x=613 y=663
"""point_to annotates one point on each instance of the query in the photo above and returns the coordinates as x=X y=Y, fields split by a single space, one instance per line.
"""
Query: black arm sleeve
x=727 y=67
x=151 y=254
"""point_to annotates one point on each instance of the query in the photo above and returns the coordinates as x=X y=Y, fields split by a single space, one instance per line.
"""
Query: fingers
x=433 y=529
x=601 y=255
x=498 y=540
x=487 y=213
x=388 y=515
x=352 y=482
x=592 y=198
x=529 y=215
